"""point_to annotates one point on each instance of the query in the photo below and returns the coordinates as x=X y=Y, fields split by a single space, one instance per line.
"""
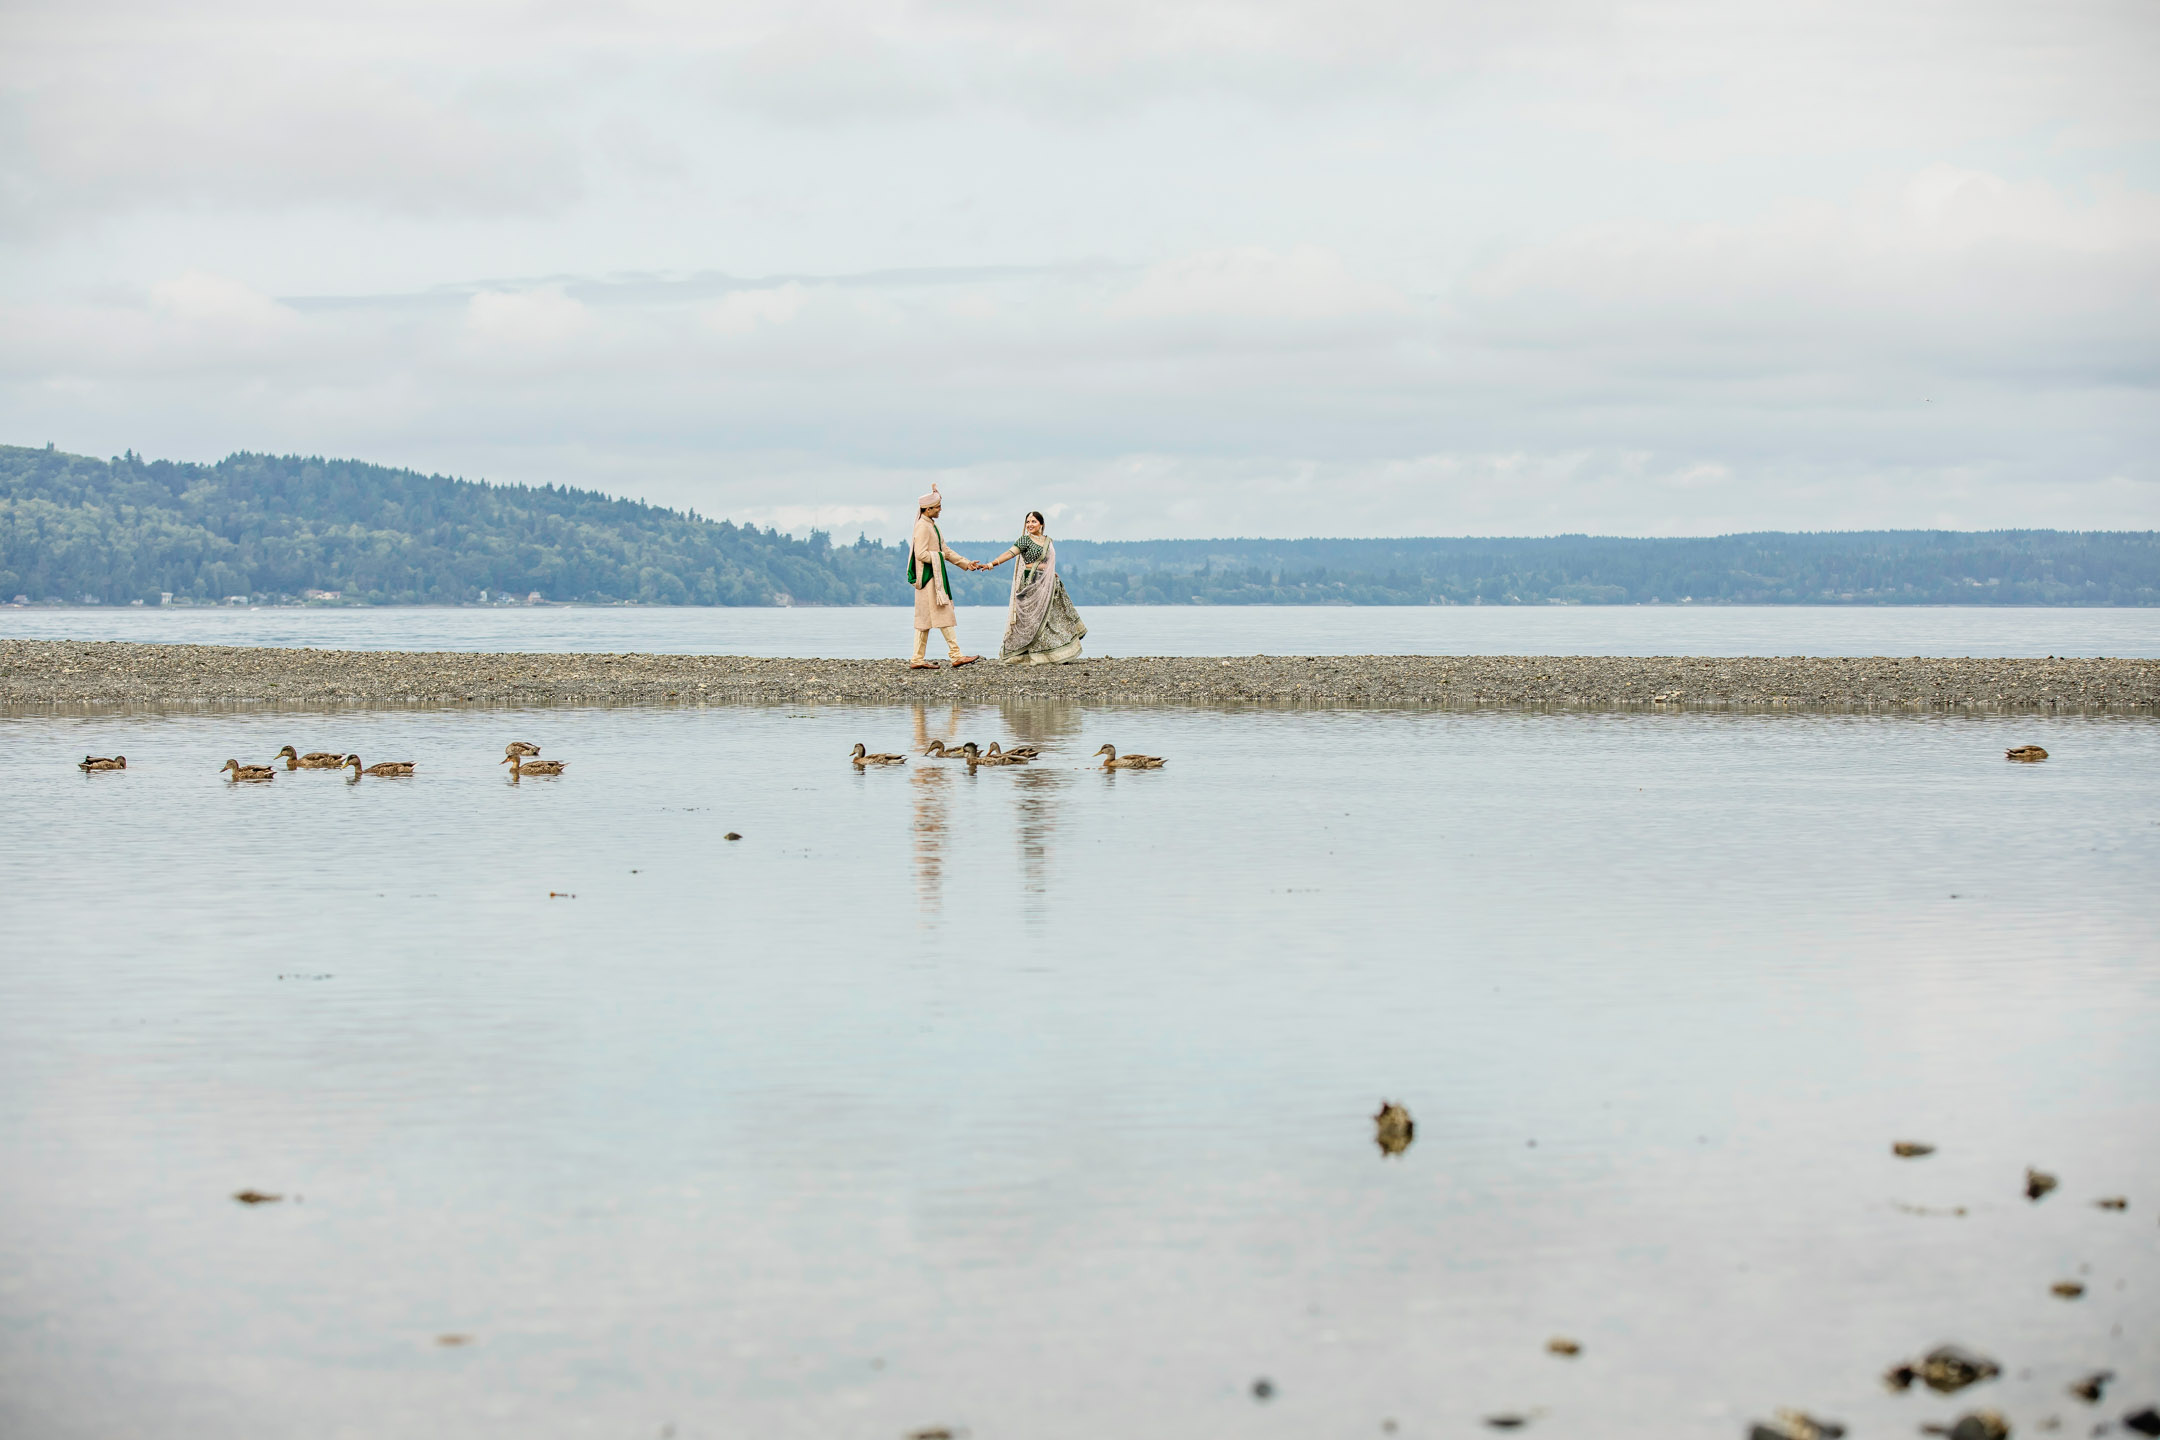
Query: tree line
x=271 y=527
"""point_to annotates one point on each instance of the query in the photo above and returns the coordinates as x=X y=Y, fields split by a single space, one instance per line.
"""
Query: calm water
x=1037 y=1101
x=1150 y=630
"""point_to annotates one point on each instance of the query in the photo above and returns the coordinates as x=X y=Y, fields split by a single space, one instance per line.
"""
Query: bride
x=1041 y=628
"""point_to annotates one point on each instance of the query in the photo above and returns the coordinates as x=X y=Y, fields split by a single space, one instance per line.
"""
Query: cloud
x=1271 y=264
x=1307 y=283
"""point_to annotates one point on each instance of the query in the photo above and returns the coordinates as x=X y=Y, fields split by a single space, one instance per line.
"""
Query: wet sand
x=69 y=674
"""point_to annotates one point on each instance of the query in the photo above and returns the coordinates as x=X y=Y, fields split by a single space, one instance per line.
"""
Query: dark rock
x=2145 y=1421
x=256 y=1197
x=1561 y=1345
x=1393 y=1129
x=1263 y=1389
x=1794 y=1425
x=1507 y=1421
x=2092 y=1386
x=2113 y=1202
x=1911 y=1149
x=2038 y=1183
x=1980 y=1425
x=2067 y=1289
x=1945 y=1370
x=731 y=835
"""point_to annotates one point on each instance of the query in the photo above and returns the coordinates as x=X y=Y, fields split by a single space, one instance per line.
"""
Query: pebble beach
x=59 y=674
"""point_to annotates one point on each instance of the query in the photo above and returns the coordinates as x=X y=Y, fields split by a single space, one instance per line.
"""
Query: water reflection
x=932 y=807
x=1038 y=790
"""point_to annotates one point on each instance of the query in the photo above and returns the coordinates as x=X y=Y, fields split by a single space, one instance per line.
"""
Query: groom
x=927 y=554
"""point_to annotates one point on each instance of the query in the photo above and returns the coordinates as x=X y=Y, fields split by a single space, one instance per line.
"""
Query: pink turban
x=933 y=498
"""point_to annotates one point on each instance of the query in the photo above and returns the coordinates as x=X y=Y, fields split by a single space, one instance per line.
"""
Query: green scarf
x=918 y=572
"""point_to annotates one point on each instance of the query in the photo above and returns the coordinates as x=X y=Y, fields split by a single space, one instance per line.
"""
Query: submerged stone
x=1393 y=1129
x=2038 y=1183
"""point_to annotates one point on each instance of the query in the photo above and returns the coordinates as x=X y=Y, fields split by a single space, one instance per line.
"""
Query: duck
x=313 y=760
x=519 y=765
x=250 y=772
x=386 y=769
x=2026 y=753
x=1025 y=752
x=939 y=750
x=863 y=757
x=1114 y=761
x=977 y=757
x=521 y=747
x=103 y=762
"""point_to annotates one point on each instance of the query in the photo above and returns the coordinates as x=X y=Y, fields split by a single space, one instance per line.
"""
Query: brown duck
x=1114 y=761
x=388 y=769
x=239 y=771
x=97 y=762
x=520 y=766
x=863 y=757
x=313 y=760
x=2025 y=753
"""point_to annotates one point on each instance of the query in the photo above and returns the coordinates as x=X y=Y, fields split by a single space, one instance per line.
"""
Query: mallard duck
x=313 y=760
x=2026 y=753
x=519 y=765
x=386 y=769
x=521 y=747
x=939 y=750
x=96 y=762
x=1114 y=761
x=1022 y=752
x=250 y=772
x=977 y=757
x=863 y=757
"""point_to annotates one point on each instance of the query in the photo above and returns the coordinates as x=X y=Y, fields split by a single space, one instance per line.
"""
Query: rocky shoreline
x=67 y=674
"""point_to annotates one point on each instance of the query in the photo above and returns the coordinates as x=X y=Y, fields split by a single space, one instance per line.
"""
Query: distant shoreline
x=71 y=674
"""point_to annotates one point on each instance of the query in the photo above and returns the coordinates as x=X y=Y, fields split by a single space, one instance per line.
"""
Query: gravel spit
x=36 y=674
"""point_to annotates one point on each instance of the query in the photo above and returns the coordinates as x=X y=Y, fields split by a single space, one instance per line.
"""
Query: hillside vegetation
x=271 y=527
x=276 y=526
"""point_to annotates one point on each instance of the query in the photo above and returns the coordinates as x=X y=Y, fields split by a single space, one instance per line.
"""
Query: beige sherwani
x=933 y=602
x=933 y=597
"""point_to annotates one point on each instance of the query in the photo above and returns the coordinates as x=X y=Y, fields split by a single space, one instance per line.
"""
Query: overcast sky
x=1252 y=267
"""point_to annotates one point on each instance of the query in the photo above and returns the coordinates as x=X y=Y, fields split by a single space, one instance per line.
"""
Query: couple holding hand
x=1041 y=625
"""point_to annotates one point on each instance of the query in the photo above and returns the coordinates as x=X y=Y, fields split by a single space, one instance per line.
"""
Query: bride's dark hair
x=1037 y=517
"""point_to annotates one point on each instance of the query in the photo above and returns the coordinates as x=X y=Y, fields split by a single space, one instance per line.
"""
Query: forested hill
x=1882 y=567
x=274 y=527
x=271 y=527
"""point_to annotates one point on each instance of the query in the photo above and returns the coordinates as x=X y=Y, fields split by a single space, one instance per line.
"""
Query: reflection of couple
x=1041 y=626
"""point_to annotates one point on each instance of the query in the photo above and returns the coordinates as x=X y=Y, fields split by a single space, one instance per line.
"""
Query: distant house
x=534 y=598
x=322 y=594
x=236 y=599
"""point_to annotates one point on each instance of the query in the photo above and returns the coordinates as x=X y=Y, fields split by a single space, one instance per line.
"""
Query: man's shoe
x=922 y=665
x=965 y=660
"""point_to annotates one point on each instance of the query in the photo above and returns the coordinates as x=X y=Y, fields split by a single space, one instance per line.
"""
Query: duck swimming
x=863 y=757
x=521 y=747
x=250 y=772
x=1114 y=761
x=313 y=760
x=519 y=766
x=2026 y=753
x=1024 y=752
x=386 y=770
x=976 y=757
x=95 y=762
x=939 y=750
